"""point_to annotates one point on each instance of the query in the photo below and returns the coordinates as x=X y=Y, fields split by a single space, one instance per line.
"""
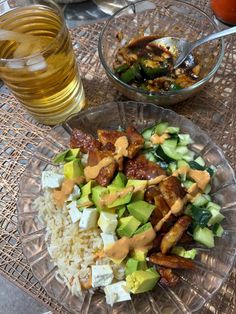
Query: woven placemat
x=213 y=110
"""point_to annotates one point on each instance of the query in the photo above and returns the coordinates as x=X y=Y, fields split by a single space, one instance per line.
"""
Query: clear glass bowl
x=213 y=266
x=165 y=18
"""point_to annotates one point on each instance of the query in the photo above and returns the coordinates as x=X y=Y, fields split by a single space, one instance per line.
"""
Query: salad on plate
x=123 y=211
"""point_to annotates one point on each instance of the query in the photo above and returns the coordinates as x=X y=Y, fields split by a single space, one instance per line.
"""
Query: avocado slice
x=121 y=211
x=142 y=280
x=97 y=193
x=72 y=154
x=87 y=188
x=73 y=169
x=132 y=265
x=139 y=255
x=141 y=210
x=119 y=180
x=141 y=186
x=143 y=228
x=127 y=226
x=84 y=202
x=121 y=200
x=180 y=251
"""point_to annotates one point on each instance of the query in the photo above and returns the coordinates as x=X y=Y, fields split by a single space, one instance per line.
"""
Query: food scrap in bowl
x=122 y=209
x=143 y=64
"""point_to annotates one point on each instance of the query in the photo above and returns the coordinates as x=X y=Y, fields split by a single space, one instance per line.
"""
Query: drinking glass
x=37 y=61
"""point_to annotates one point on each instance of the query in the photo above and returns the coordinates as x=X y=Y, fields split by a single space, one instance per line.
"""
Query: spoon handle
x=213 y=36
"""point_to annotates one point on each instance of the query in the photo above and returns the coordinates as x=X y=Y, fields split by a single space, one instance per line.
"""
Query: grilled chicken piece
x=109 y=136
x=161 y=204
x=106 y=174
x=84 y=141
x=110 y=149
x=135 y=139
x=171 y=261
x=186 y=238
x=150 y=194
x=168 y=278
x=142 y=169
x=175 y=233
x=155 y=217
x=171 y=190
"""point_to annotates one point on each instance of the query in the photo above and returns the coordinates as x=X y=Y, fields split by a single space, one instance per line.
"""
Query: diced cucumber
x=200 y=161
x=182 y=163
x=150 y=156
x=188 y=183
x=201 y=200
x=172 y=166
x=167 y=150
x=172 y=130
x=180 y=251
x=160 y=128
x=217 y=217
x=183 y=150
x=217 y=230
x=188 y=210
x=204 y=236
x=213 y=205
x=200 y=215
x=147 y=133
x=207 y=189
x=189 y=156
x=185 y=139
x=147 y=144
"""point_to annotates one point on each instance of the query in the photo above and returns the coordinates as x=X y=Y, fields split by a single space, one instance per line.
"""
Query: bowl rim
x=164 y=93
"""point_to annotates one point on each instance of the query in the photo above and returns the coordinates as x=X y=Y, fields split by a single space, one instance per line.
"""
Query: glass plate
x=213 y=265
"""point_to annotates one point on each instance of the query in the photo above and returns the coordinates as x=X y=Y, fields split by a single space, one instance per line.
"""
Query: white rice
x=72 y=249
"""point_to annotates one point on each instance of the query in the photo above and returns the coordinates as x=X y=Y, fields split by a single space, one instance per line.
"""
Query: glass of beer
x=37 y=61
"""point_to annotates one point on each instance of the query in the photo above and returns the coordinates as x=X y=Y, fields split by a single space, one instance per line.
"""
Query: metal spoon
x=181 y=48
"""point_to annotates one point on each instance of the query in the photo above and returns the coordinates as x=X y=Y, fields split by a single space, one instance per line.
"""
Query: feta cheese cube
x=75 y=214
x=51 y=179
x=116 y=292
x=89 y=218
x=75 y=194
x=108 y=238
x=107 y=222
x=102 y=275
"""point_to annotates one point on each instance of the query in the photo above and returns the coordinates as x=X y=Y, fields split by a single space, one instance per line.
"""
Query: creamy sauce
x=201 y=177
x=162 y=221
x=159 y=139
x=61 y=195
x=85 y=204
x=91 y=172
x=121 y=145
x=112 y=197
x=178 y=205
x=121 y=248
x=156 y=180
x=141 y=187
x=193 y=190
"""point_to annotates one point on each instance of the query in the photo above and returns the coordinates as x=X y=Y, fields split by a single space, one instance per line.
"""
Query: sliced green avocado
x=139 y=255
x=141 y=185
x=122 y=200
x=142 y=280
x=119 y=180
x=83 y=202
x=141 y=210
x=204 y=236
x=87 y=188
x=132 y=265
x=143 y=228
x=73 y=169
x=127 y=226
x=97 y=193
x=67 y=155
x=121 y=211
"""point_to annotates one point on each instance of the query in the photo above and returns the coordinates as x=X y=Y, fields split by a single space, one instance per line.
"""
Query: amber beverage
x=225 y=10
x=37 y=61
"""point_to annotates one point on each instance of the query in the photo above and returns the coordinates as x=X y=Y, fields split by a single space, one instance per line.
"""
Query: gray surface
x=15 y=301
